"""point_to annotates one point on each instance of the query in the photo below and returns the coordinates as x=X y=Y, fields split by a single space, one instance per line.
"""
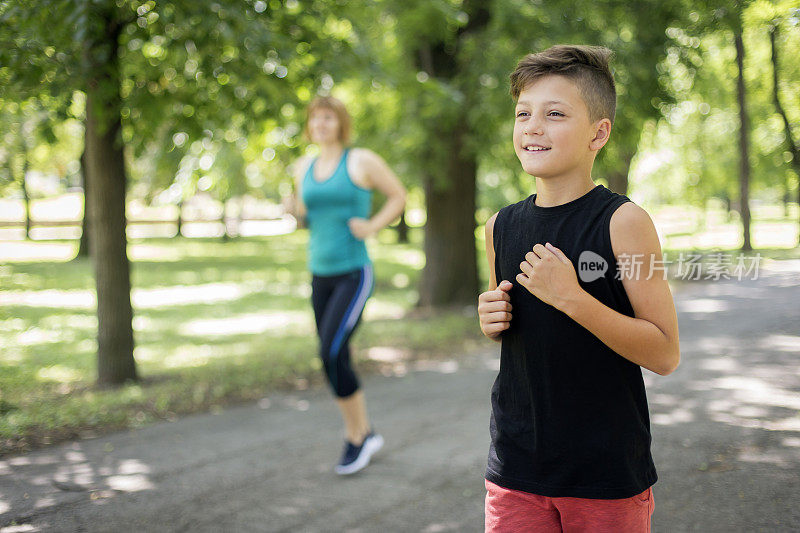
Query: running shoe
x=355 y=458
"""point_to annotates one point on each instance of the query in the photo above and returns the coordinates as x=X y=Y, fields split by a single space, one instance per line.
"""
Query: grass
x=217 y=323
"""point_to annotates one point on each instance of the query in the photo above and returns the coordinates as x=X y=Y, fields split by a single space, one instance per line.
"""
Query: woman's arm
x=295 y=206
x=374 y=173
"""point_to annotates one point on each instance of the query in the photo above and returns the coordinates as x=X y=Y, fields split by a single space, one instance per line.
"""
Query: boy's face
x=553 y=135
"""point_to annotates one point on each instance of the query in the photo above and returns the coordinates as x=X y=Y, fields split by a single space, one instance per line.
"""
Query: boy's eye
x=556 y=114
x=522 y=113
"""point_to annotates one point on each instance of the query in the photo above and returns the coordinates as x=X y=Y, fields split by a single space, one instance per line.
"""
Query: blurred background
x=172 y=126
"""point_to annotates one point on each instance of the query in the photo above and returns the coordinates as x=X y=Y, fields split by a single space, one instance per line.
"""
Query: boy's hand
x=549 y=275
x=494 y=310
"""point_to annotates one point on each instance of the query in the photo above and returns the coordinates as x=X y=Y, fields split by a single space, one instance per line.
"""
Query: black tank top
x=569 y=415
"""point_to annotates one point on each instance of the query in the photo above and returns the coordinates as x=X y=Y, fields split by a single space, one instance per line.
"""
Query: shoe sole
x=371 y=446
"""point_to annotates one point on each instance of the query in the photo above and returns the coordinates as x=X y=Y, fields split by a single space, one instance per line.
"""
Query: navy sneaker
x=355 y=458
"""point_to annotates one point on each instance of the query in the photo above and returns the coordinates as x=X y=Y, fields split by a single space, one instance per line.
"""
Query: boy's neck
x=557 y=191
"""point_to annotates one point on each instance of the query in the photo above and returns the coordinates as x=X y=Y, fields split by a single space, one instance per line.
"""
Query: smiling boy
x=570 y=426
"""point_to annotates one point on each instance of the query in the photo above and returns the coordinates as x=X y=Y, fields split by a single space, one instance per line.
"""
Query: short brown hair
x=338 y=107
x=586 y=66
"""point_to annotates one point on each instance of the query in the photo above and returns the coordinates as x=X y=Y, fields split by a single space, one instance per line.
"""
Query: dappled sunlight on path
x=726 y=438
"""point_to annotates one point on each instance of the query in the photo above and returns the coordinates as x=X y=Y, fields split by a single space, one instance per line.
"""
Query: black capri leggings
x=338 y=303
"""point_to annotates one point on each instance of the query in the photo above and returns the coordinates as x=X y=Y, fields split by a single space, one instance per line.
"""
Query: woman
x=334 y=197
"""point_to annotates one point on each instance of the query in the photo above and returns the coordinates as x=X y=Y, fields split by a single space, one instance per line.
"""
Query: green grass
x=217 y=323
x=214 y=323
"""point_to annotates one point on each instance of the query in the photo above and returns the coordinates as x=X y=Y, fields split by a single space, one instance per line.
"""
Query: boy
x=570 y=427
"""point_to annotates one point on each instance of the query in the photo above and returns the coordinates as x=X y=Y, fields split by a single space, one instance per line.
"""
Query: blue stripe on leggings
x=351 y=316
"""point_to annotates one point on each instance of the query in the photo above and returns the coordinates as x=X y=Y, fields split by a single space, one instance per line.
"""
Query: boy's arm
x=494 y=305
x=489 y=233
x=651 y=338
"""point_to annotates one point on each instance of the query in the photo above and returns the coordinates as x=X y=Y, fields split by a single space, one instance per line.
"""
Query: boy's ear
x=601 y=134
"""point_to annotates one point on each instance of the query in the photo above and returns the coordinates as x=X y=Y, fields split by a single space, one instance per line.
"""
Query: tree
x=146 y=68
x=28 y=124
x=450 y=179
x=221 y=92
x=722 y=94
x=83 y=244
x=791 y=144
x=744 y=141
x=48 y=58
x=106 y=173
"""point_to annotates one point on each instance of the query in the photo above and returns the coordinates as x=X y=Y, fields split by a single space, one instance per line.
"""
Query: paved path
x=726 y=428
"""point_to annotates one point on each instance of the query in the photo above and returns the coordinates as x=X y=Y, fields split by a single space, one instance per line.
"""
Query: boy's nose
x=534 y=127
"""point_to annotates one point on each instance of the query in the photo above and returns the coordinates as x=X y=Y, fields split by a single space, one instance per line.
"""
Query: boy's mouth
x=535 y=148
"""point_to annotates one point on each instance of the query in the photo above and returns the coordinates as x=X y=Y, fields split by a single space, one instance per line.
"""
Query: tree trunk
x=25 y=194
x=451 y=271
x=83 y=247
x=451 y=268
x=402 y=228
x=105 y=166
x=226 y=233
x=618 y=180
x=790 y=142
x=728 y=207
x=179 y=222
x=744 y=143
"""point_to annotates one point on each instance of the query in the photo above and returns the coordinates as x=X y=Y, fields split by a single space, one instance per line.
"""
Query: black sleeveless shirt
x=569 y=415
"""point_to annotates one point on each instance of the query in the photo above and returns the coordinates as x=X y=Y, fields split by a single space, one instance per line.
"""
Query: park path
x=726 y=430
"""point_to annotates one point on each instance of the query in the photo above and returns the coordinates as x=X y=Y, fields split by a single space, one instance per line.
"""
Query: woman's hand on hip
x=361 y=228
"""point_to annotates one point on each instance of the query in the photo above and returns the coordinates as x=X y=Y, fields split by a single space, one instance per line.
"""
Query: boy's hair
x=338 y=107
x=586 y=66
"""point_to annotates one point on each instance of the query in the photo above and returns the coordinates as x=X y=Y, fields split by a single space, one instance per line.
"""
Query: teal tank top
x=332 y=249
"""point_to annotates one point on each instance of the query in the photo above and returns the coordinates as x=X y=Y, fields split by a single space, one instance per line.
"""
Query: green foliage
x=693 y=148
x=204 y=85
x=33 y=137
x=191 y=72
x=406 y=103
x=214 y=95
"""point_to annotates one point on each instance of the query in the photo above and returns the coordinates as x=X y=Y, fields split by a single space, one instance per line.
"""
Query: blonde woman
x=334 y=194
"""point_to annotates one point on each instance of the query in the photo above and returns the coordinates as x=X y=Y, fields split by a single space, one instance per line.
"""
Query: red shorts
x=513 y=511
